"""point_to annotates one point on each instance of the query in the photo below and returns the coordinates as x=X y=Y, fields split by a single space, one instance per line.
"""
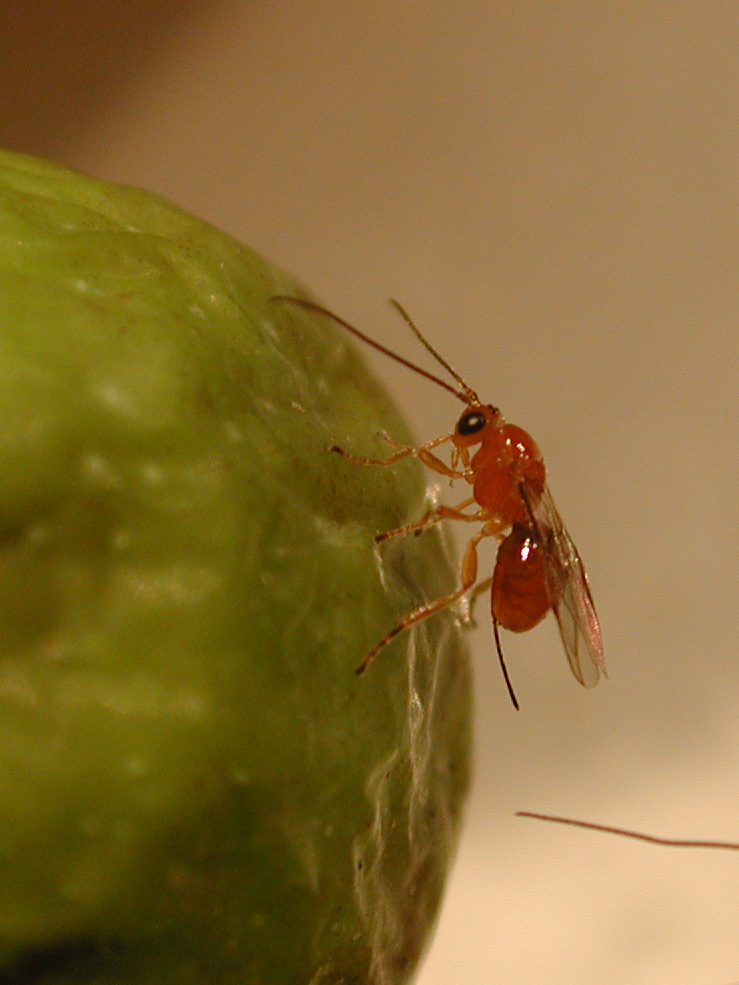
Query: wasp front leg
x=423 y=452
x=434 y=516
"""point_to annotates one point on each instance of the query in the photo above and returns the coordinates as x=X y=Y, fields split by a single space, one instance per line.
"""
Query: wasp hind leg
x=467 y=581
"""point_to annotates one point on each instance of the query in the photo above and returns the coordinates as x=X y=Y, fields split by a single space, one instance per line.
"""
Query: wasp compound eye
x=471 y=422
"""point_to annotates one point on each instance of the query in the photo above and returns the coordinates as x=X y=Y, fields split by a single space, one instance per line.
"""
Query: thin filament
x=466 y=395
x=626 y=833
x=471 y=395
x=503 y=667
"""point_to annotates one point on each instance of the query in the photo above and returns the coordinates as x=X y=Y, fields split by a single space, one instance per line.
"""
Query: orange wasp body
x=537 y=566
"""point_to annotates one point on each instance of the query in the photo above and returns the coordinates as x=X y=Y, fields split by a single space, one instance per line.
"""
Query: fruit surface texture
x=194 y=785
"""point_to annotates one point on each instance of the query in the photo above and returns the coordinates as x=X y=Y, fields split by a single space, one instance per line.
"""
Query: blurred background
x=552 y=190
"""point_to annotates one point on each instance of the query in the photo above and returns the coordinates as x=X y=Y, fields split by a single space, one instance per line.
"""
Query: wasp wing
x=569 y=594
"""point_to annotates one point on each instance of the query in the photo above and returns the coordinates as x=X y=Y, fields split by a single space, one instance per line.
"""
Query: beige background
x=553 y=191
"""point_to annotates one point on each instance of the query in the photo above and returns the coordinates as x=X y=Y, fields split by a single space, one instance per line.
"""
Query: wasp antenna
x=471 y=396
x=466 y=395
x=503 y=667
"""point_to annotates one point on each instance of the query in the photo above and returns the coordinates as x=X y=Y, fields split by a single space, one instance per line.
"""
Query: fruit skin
x=194 y=785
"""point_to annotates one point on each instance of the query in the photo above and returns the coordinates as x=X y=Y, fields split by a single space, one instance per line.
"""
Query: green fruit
x=194 y=785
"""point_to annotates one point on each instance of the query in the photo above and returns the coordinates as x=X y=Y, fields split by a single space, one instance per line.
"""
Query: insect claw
x=366 y=662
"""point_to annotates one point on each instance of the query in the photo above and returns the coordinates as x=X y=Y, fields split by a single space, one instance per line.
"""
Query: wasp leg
x=480 y=587
x=404 y=451
x=435 y=515
x=468 y=576
x=398 y=445
x=424 y=453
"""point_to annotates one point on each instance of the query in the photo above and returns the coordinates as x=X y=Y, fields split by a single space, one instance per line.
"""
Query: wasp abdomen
x=519 y=593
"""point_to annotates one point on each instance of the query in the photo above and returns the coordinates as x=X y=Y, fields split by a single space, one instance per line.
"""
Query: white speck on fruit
x=98 y=468
x=136 y=766
x=121 y=540
x=152 y=474
x=37 y=535
x=181 y=584
x=117 y=399
x=15 y=687
x=232 y=432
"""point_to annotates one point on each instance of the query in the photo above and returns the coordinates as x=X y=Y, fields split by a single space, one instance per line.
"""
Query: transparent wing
x=569 y=593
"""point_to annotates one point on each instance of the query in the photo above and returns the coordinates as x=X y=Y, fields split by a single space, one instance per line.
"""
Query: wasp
x=537 y=566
